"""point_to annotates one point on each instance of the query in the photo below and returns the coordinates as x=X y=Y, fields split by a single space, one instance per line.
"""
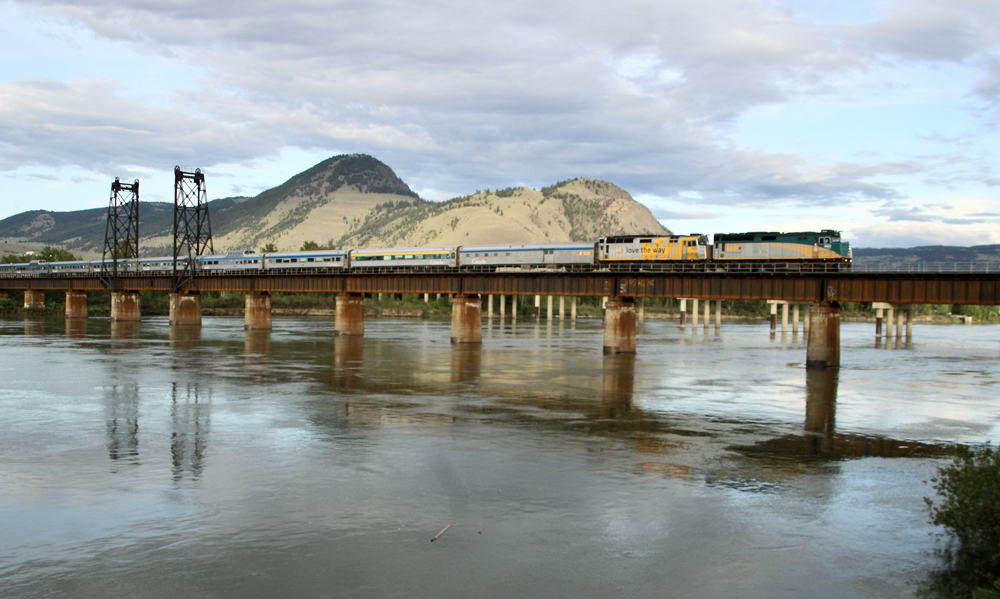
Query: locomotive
x=731 y=252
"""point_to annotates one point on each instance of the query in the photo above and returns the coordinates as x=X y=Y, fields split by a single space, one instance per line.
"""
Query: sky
x=880 y=119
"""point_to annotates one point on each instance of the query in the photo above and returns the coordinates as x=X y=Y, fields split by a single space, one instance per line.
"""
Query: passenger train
x=761 y=251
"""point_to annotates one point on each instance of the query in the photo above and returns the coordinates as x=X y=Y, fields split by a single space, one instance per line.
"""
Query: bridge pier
x=185 y=309
x=708 y=314
x=619 y=326
x=466 y=319
x=572 y=309
x=349 y=317
x=503 y=307
x=76 y=304
x=694 y=314
x=718 y=314
x=548 y=313
x=683 y=317
x=34 y=298
x=562 y=308
x=538 y=307
x=513 y=309
x=901 y=312
x=489 y=303
x=257 y=311
x=125 y=306
x=823 y=347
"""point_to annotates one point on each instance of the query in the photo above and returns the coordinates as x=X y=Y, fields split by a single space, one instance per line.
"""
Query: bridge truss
x=121 y=235
x=192 y=225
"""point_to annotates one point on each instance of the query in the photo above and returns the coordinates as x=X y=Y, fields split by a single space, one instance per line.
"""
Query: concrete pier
x=694 y=314
x=76 y=304
x=34 y=298
x=708 y=313
x=683 y=315
x=572 y=309
x=538 y=307
x=562 y=308
x=257 y=312
x=784 y=318
x=513 y=308
x=619 y=326
x=466 y=319
x=823 y=347
x=489 y=303
x=795 y=319
x=774 y=317
x=349 y=318
x=718 y=314
x=185 y=309
x=897 y=315
x=125 y=306
x=548 y=311
x=640 y=305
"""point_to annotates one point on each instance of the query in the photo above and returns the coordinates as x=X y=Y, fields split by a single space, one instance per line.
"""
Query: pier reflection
x=466 y=362
x=184 y=337
x=76 y=328
x=34 y=327
x=121 y=423
x=190 y=418
x=618 y=384
x=820 y=439
x=257 y=341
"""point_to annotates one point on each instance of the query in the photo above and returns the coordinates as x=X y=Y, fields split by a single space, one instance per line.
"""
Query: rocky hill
x=357 y=201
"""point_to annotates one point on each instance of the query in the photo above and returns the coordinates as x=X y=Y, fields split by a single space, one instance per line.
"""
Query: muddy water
x=145 y=462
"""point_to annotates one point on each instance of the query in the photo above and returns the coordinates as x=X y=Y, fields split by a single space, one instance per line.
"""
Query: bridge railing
x=982 y=266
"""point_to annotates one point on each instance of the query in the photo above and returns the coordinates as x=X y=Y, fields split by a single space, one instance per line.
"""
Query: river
x=139 y=461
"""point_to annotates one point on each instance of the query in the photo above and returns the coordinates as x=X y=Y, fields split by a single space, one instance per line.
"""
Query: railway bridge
x=819 y=293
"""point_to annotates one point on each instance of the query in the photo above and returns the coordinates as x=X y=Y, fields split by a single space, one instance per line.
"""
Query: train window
x=310 y=260
x=769 y=238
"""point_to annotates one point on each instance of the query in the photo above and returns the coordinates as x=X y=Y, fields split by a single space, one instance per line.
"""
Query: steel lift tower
x=121 y=236
x=192 y=226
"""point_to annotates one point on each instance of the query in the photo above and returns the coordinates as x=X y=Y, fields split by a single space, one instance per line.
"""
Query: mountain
x=355 y=200
x=928 y=253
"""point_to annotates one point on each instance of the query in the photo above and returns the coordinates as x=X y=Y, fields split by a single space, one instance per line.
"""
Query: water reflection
x=184 y=337
x=257 y=341
x=76 y=328
x=121 y=423
x=466 y=362
x=190 y=423
x=34 y=327
x=618 y=379
x=125 y=332
x=348 y=352
x=821 y=440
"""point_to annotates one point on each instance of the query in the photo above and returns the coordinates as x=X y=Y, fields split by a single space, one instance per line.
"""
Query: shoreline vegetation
x=413 y=306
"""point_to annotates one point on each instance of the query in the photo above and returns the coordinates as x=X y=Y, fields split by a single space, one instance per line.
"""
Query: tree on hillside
x=269 y=248
x=14 y=259
x=309 y=246
x=51 y=254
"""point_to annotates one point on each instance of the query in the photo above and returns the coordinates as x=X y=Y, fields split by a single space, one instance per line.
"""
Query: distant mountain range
x=357 y=201
x=929 y=253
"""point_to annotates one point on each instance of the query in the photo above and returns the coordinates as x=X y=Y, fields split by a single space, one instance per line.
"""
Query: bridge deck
x=904 y=288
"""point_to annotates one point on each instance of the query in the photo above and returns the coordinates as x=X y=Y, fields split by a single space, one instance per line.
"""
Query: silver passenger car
x=392 y=258
x=324 y=260
x=529 y=254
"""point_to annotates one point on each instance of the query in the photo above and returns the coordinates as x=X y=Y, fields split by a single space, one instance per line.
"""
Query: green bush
x=968 y=507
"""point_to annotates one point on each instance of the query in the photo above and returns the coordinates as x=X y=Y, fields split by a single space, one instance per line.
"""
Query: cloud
x=919 y=234
x=461 y=95
x=663 y=214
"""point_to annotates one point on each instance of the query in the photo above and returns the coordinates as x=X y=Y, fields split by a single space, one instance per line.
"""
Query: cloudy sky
x=878 y=118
